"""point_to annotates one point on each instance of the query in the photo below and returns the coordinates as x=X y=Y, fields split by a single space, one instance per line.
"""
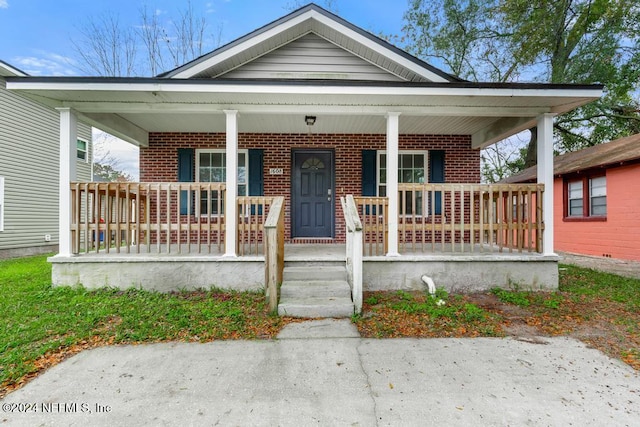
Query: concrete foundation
x=159 y=273
x=453 y=272
x=30 y=251
x=462 y=273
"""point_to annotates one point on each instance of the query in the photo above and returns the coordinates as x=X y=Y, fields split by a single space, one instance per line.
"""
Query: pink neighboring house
x=597 y=199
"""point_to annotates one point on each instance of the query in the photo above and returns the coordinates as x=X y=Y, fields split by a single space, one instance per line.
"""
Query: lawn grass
x=42 y=324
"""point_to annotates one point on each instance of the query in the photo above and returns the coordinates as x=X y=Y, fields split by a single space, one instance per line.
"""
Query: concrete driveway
x=315 y=376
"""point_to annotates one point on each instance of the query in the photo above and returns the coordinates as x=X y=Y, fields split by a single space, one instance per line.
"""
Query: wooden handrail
x=353 y=249
x=274 y=251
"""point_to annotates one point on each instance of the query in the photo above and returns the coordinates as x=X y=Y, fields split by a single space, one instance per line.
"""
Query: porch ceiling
x=130 y=108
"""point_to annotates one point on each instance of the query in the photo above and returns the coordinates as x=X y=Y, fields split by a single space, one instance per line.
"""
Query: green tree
x=557 y=41
x=107 y=173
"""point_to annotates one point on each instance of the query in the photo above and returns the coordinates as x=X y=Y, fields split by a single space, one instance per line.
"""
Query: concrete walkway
x=321 y=373
x=620 y=267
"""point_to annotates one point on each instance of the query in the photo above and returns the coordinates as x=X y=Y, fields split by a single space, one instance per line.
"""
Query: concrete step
x=315 y=291
x=316 y=272
x=313 y=263
x=316 y=307
x=315 y=288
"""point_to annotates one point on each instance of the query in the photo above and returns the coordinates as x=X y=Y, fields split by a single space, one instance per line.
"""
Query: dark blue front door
x=312 y=193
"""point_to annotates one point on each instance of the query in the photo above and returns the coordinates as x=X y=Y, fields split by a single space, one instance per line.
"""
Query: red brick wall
x=158 y=162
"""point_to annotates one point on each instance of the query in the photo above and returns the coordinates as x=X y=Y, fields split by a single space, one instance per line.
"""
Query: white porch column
x=67 y=166
x=545 y=176
x=393 y=120
x=230 y=209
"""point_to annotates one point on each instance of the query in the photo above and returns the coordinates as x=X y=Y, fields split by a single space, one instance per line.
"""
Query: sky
x=36 y=35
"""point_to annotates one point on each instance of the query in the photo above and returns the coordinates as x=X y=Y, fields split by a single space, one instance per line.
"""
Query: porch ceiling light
x=310 y=120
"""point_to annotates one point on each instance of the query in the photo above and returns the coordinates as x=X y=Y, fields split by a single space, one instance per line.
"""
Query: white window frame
x=85 y=151
x=1 y=203
x=400 y=153
x=223 y=152
x=425 y=166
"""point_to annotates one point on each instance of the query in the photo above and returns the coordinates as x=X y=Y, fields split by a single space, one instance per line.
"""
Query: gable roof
x=311 y=19
x=7 y=70
x=610 y=154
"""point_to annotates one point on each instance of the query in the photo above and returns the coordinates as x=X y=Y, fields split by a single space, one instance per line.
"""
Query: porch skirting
x=454 y=272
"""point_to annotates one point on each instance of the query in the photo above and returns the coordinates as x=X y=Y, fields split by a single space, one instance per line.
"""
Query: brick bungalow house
x=308 y=110
x=596 y=200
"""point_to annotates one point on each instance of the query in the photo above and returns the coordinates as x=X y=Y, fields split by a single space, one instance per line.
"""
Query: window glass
x=575 y=198
x=598 y=196
x=411 y=169
x=81 y=149
x=212 y=168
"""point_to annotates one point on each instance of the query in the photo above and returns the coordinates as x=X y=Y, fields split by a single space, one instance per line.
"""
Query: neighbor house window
x=1 y=203
x=598 y=196
x=576 y=201
x=82 y=150
x=211 y=166
x=586 y=197
x=412 y=169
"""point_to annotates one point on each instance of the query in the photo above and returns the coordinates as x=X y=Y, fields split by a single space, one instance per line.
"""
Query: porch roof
x=130 y=108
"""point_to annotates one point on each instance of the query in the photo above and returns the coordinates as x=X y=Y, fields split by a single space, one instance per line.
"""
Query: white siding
x=29 y=164
x=311 y=57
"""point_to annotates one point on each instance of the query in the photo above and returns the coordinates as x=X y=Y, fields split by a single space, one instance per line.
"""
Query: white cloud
x=4 y=4
x=45 y=64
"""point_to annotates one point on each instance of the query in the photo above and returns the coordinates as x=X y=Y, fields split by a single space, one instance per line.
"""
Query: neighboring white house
x=29 y=172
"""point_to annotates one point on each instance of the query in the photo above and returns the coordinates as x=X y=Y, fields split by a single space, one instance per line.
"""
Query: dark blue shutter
x=256 y=171
x=185 y=174
x=369 y=172
x=256 y=176
x=436 y=175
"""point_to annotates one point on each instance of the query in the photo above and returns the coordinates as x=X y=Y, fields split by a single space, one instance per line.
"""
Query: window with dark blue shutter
x=436 y=176
x=185 y=174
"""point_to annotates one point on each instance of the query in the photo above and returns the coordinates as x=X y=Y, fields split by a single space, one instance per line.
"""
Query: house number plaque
x=276 y=171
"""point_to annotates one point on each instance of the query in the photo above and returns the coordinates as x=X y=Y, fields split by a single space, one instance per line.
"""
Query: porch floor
x=318 y=252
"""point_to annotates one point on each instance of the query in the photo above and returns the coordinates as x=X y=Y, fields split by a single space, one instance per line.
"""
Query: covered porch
x=169 y=235
x=465 y=237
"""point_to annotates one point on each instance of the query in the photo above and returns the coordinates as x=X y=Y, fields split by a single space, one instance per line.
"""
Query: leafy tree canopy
x=556 y=41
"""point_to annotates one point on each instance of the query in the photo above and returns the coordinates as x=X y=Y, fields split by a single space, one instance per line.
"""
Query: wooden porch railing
x=373 y=212
x=274 y=251
x=161 y=218
x=457 y=218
